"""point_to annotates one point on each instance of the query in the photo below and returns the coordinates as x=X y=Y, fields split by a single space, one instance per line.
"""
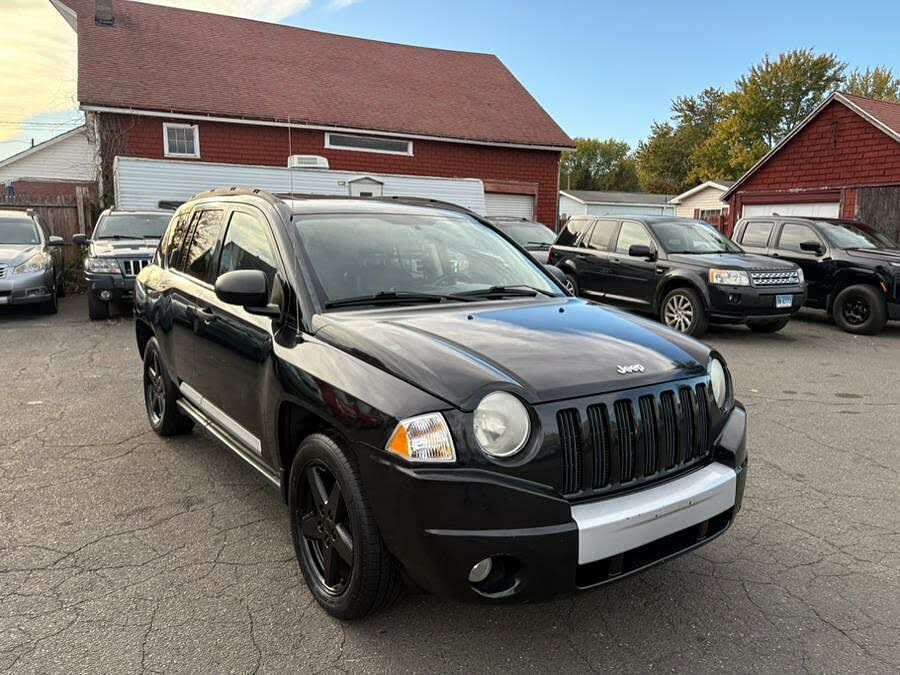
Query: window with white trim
x=390 y=146
x=181 y=140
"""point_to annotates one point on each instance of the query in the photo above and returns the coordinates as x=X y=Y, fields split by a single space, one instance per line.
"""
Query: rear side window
x=757 y=234
x=794 y=234
x=171 y=247
x=200 y=254
x=601 y=235
x=247 y=247
x=572 y=231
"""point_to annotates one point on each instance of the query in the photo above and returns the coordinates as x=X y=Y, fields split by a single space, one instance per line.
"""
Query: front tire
x=571 y=284
x=161 y=395
x=97 y=308
x=683 y=310
x=860 y=309
x=344 y=560
x=772 y=326
x=51 y=306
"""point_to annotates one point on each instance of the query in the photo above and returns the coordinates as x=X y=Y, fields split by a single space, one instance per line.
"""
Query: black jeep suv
x=122 y=245
x=430 y=400
x=683 y=271
x=853 y=271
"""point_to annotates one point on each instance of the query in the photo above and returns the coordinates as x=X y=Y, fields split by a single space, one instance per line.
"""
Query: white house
x=703 y=201
x=598 y=203
x=69 y=157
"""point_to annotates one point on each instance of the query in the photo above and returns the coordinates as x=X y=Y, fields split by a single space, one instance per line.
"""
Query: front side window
x=181 y=140
x=18 y=231
x=692 y=237
x=246 y=247
x=632 y=234
x=132 y=226
x=203 y=244
x=601 y=235
x=756 y=234
x=353 y=255
x=794 y=234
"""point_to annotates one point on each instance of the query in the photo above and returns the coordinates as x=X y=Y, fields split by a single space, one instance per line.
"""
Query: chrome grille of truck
x=132 y=267
x=635 y=439
x=2 y=271
x=779 y=278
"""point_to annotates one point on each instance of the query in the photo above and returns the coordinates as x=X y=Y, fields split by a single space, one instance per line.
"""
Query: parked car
x=31 y=266
x=122 y=245
x=429 y=398
x=683 y=271
x=533 y=237
x=852 y=271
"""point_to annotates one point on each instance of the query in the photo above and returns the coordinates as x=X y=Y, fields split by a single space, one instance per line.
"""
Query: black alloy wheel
x=325 y=529
x=154 y=390
x=860 y=309
x=160 y=396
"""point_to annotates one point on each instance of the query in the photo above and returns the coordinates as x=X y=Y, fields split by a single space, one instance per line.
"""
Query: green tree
x=878 y=83
x=598 y=165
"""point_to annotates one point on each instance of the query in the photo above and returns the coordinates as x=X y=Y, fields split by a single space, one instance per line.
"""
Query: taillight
x=550 y=254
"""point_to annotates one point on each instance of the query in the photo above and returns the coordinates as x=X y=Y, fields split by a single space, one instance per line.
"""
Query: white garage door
x=520 y=206
x=811 y=210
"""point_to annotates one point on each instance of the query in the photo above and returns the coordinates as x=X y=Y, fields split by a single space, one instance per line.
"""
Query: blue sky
x=601 y=68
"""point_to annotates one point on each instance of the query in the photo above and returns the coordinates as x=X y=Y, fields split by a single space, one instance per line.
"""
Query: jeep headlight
x=719 y=277
x=36 y=263
x=102 y=265
x=502 y=425
x=424 y=438
x=719 y=380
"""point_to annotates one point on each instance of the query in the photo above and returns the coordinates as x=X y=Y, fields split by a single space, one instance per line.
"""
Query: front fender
x=681 y=278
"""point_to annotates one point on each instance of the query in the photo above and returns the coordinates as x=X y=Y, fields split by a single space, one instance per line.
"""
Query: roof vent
x=307 y=162
x=103 y=13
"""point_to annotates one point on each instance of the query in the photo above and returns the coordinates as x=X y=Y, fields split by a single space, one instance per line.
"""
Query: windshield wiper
x=115 y=236
x=517 y=290
x=542 y=244
x=391 y=297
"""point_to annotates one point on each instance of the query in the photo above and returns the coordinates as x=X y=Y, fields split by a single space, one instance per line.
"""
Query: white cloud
x=341 y=4
x=37 y=53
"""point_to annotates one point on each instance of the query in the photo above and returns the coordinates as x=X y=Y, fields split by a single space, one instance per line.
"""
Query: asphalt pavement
x=124 y=552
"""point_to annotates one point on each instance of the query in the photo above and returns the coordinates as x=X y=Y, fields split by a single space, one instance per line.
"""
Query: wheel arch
x=294 y=423
x=854 y=277
x=678 y=280
x=143 y=333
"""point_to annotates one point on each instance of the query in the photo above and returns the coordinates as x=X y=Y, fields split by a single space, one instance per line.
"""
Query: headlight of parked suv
x=720 y=380
x=502 y=425
x=36 y=263
x=729 y=277
x=102 y=265
x=800 y=275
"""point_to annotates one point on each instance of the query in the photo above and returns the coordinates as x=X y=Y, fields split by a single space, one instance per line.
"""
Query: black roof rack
x=397 y=199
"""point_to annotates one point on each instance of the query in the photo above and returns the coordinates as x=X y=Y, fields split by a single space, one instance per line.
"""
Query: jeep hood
x=114 y=248
x=15 y=254
x=544 y=350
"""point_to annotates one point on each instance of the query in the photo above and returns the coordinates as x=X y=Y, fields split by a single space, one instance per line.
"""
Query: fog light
x=105 y=295
x=480 y=571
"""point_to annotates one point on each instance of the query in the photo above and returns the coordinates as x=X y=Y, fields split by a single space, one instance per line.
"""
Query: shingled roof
x=164 y=59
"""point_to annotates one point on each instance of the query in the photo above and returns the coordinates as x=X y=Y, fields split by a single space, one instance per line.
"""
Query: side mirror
x=812 y=247
x=247 y=288
x=53 y=240
x=557 y=273
x=80 y=239
x=641 y=251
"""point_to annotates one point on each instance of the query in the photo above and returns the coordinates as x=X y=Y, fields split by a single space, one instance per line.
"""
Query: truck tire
x=860 y=309
x=97 y=308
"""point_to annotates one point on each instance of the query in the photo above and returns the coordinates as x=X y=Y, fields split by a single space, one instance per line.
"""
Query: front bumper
x=441 y=522
x=120 y=289
x=22 y=289
x=739 y=304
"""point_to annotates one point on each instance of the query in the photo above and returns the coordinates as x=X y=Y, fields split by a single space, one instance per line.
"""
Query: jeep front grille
x=2 y=271
x=779 y=278
x=634 y=439
x=132 y=267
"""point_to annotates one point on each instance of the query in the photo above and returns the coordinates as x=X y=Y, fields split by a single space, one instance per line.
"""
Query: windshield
x=845 y=235
x=18 y=231
x=132 y=226
x=528 y=234
x=692 y=236
x=358 y=255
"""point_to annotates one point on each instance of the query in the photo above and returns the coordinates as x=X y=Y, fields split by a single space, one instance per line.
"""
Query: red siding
x=837 y=150
x=532 y=170
x=49 y=189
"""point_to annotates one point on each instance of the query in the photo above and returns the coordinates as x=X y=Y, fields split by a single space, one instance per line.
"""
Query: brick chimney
x=103 y=15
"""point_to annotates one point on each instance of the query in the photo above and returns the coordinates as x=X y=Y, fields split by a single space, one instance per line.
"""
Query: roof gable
x=883 y=115
x=720 y=185
x=173 y=60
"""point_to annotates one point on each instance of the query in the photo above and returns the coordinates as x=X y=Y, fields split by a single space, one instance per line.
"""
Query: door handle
x=205 y=313
x=615 y=260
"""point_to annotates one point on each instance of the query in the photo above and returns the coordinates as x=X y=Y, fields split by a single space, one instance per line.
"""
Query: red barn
x=843 y=161
x=159 y=82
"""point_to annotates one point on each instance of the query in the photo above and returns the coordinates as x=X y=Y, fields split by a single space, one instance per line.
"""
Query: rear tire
x=161 y=396
x=683 y=310
x=97 y=308
x=344 y=560
x=772 y=326
x=860 y=309
x=571 y=284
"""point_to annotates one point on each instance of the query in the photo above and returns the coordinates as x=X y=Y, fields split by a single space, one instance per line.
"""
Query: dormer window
x=181 y=140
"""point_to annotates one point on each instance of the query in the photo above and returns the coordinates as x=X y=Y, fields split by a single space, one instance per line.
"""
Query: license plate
x=4 y=299
x=782 y=301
